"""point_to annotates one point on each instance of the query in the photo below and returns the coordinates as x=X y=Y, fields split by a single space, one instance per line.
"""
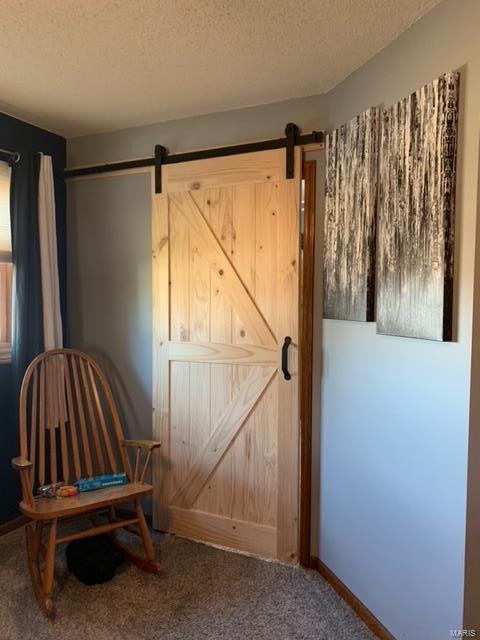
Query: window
x=5 y=266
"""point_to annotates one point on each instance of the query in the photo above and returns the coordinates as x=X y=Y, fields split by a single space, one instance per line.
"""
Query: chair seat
x=48 y=508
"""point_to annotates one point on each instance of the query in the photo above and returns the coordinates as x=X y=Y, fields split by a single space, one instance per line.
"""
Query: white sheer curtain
x=52 y=319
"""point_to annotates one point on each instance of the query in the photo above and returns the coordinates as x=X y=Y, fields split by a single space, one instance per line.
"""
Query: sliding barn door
x=225 y=278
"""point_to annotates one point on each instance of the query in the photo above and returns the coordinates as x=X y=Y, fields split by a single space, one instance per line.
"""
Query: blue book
x=101 y=482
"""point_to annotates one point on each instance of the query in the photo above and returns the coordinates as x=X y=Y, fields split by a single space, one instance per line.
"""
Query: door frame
x=306 y=290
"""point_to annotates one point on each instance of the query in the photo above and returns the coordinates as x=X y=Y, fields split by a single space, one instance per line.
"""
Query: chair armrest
x=143 y=444
x=149 y=446
x=21 y=464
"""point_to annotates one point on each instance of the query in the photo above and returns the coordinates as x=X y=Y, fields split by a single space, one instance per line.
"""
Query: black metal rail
x=293 y=138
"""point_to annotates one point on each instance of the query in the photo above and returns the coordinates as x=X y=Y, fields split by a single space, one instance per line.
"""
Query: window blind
x=5 y=232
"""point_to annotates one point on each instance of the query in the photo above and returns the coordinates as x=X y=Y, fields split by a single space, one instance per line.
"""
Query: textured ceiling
x=87 y=66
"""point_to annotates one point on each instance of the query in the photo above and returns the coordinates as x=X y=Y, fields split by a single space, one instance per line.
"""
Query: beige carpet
x=204 y=594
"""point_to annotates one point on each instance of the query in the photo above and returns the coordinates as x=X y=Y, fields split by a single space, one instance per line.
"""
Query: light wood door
x=225 y=292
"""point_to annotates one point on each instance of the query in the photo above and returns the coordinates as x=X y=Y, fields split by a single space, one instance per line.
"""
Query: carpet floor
x=204 y=593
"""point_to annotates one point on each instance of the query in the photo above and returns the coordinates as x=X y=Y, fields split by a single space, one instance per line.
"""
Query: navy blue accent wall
x=16 y=135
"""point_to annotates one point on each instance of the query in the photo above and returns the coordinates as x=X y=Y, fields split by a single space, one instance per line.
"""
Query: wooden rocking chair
x=70 y=429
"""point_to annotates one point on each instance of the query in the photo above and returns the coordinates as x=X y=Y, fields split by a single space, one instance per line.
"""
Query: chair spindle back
x=69 y=424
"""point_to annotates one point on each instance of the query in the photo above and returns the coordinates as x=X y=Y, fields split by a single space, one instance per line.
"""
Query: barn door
x=225 y=278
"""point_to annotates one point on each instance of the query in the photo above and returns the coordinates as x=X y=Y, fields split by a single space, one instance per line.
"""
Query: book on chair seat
x=101 y=482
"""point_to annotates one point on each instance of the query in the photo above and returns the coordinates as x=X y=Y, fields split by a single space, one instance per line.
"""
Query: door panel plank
x=199 y=292
x=227 y=532
x=266 y=251
x=179 y=278
x=220 y=353
x=242 y=456
x=225 y=430
x=288 y=398
x=251 y=168
x=243 y=252
x=216 y=495
x=182 y=443
x=262 y=462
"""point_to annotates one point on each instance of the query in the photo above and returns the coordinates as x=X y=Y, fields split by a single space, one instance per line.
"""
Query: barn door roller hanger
x=292 y=138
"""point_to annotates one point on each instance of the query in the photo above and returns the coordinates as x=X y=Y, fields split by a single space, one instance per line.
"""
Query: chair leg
x=50 y=562
x=33 y=536
x=148 y=563
x=146 y=538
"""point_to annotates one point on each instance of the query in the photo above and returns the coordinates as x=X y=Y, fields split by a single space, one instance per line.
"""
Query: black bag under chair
x=94 y=560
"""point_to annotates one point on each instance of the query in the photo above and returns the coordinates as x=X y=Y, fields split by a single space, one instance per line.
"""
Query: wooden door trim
x=306 y=358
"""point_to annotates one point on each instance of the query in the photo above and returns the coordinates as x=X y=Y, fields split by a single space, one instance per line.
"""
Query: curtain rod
x=292 y=138
x=13 y=155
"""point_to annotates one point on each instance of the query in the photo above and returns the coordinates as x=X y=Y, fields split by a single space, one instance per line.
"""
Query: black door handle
x=286 y=343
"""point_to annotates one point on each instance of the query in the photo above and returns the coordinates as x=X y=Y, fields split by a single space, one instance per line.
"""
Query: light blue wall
x=109 y=283
x=395 y=412
x=200 y=132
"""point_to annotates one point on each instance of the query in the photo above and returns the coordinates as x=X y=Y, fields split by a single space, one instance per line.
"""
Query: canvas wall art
x=416 y=212
x=350 y=211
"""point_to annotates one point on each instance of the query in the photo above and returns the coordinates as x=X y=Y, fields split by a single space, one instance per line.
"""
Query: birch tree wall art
x=416 y=211
x=350 y=210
